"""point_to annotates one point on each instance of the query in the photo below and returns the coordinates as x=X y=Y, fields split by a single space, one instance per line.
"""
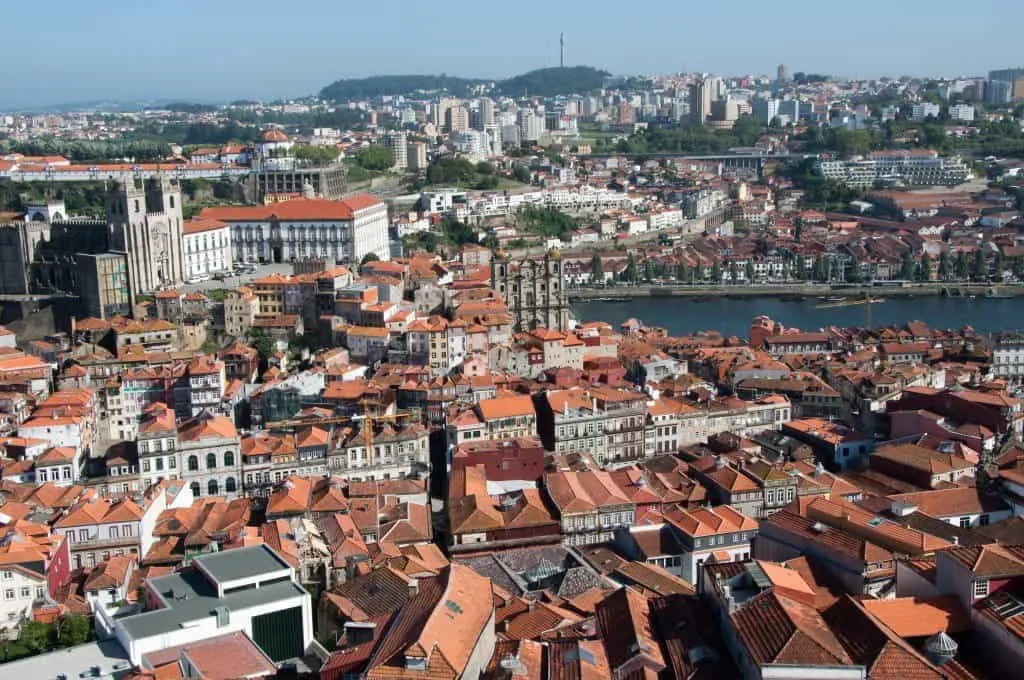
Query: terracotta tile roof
x=296 y=210
x=624 y=619
x=942 y=503
x=871 y=644
x=506 y=407
x=199 y=225
x=708 y=521
x=442 y=625
x=207 y=426
x=989 y=560
x=777 y=630
x=911 y=617
x=110 y=574
x=539 y=618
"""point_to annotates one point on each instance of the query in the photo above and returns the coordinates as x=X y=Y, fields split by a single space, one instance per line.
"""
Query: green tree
x=716 y=272
x=369 y=257
x=522 y=174
x=909 y=269
x=648 y=271
x=980 y=269
x=320 y=155
x=263 y=343
x=926 y=267
x=800 y=268
x=377 y=158
x=682 y=272
x=734 y=272
x=629 y=273
x=484 y=168
x=750 y=271
x=963 y=269
x=945 y=266
x=73 y=630
x=596 y=269
x=35 y=636
x=820 y=272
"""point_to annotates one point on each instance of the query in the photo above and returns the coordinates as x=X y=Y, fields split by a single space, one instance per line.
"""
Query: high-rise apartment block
x=398 y=142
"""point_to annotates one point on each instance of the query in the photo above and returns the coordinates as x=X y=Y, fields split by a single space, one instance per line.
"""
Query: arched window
x=229 y=485
x=211 y=461
x=195 y=489
x=212 y=488
x=193 y=463
x=229 y=458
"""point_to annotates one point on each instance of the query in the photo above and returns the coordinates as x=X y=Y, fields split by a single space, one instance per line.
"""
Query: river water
x=732 y=316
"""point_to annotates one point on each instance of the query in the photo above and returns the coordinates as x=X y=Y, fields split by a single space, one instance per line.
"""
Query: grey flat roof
x=71 y=661
x=195 y=598
x=232 y=565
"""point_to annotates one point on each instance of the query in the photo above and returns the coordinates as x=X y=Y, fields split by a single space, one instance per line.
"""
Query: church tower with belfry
x=533 y=290
x=145 y=222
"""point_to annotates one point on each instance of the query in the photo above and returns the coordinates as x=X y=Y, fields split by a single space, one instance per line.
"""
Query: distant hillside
x=545 y=82
x=376 y=86
x=548 y=82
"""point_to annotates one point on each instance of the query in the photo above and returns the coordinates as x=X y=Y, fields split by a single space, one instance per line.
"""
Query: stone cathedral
x=145 y=222
x=533 y=290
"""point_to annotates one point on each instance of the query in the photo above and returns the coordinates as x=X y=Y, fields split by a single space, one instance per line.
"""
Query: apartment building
x=590 y=505
x=501 y=418
x=606 y=422
x=437 y=343
x=209 y=459
x=911 y=168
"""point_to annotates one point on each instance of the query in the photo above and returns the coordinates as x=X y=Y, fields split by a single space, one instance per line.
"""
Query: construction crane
x=866 y=300
x=366 y=419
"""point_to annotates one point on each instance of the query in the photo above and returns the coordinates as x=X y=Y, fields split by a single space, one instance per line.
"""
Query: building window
x=39 y=592
x=8 y=575
x=229 y=459
x=212 y=488
x=195 y=489
x=9 y=594
x=983 y=520
x=981 y=588
x=211 y=461
x=193 y=463
x=229 y=485
x=171 y=463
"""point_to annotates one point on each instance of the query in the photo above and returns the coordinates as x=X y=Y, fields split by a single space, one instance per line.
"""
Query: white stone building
x=344 y=231
x=209 y=456
x=207 y=247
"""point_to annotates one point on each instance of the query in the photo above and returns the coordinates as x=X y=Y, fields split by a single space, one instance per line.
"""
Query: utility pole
x=561 y=50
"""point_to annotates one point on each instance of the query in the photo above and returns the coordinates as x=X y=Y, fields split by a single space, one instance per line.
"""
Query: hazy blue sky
x=74 y=50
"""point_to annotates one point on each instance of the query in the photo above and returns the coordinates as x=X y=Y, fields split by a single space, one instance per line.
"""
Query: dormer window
x=415 y=663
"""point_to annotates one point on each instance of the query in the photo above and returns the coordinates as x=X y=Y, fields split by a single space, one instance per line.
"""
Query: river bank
x=798 y=291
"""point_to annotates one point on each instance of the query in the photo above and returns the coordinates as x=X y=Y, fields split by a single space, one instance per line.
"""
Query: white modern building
x=207 y=247
x=962 y=112
x=251 y=590
x=924 y=110
x=897 y=168
x=304 y=228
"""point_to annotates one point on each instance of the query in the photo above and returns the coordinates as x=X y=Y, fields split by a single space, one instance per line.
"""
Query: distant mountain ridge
x=545 y=82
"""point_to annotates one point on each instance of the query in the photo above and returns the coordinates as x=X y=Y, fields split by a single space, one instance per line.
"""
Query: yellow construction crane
x=366 y=419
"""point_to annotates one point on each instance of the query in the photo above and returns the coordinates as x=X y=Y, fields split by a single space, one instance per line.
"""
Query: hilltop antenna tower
x=561 y=50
